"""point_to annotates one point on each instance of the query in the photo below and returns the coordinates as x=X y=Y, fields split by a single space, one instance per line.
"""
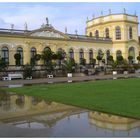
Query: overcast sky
x=61 y=15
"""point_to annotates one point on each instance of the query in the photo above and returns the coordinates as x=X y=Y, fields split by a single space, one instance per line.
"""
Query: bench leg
x=9 y=78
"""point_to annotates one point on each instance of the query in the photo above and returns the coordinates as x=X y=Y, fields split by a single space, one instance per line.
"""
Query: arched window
x=71 y=53
x=90 y=56
x=20 y=51
x=107 y=33
x=107 y=54
x=118 y=33
x=81 y=55
x=5 y=54
x=90 y=34
x=118 y=53
x=130 y=33
x=100 y=53
x=60 y=50
x=97 y=33
x=33 y=52
x=131 y=52
x=47 y=48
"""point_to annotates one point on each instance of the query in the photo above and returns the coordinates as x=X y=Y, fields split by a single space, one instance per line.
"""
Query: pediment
x=46 y=32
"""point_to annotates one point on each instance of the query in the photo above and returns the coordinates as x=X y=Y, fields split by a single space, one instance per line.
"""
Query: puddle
x=26 y=116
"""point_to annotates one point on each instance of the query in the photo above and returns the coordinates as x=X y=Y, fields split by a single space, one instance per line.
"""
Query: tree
x=60 y=57
x=17 y=57
x=110 y=59
x=120 y=59
x=3 y=64
x=54 y=56
x=83 y=61
x=99 y=58
x=93 y=62
x=130 y=58
x=47 y=56
x=69 y=65
x=33 y=60
x=37 y=57
x=27 y=71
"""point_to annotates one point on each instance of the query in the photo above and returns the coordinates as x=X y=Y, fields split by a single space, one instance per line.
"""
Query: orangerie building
x=113 y=34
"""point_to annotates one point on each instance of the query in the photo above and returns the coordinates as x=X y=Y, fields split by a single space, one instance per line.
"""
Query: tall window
x=107 y=33
x=33 y=52
x=131 y=52
x=118 y=53
x=81 y=55
x=71 y=53
x=90 y=34
x=118 y=33
x=20 y=51
x=90 y=56
x=5 y=54
x=97 y=33
x=130 y=33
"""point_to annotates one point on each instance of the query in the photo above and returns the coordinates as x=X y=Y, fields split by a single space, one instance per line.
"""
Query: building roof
x=48 y=31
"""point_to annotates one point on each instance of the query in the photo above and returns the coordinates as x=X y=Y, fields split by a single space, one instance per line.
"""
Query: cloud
x=61 y=15
x=35 y=15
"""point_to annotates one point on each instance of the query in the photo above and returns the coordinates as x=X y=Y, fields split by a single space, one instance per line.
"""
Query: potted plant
x=69 y=66
x=130 y=58
x=17 y=57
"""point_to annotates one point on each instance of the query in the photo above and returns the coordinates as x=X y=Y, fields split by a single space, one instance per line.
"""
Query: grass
x=121 y=97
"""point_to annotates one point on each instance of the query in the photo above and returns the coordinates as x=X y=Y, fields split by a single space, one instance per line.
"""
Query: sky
x=72 y=15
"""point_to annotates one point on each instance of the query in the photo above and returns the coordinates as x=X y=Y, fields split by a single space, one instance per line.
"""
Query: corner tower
x=121 y=28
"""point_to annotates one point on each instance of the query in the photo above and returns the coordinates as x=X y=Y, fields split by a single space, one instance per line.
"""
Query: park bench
x=13 y=76
x=50 y=76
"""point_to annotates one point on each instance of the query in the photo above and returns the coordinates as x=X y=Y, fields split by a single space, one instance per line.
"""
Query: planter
x=69 y=75
x=125 y=72
x=114 y=72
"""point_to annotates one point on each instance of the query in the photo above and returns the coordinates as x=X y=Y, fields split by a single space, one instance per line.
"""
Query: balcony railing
x=73 y=36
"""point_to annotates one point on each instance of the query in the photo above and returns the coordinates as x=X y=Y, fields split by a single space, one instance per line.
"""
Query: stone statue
x=25 y=26
x=101 y=13
x=47 y=20
x=12 y=26
x=109 y=11
x=124 y=11
x=65 y=30
x=76 y=32
x=87 y=19
x=135 y=13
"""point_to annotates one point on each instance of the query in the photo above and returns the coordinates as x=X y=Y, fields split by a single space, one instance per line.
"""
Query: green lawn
x=113 y=96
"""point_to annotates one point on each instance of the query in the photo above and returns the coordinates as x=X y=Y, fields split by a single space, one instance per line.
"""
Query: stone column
x=76 y=55
x=12 y=52
x=86 y=56
x=26 y=53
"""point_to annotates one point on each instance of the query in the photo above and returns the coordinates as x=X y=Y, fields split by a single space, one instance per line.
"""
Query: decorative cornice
x=116 y=21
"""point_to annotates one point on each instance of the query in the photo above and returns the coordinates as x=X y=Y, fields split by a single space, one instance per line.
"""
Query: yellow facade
x=129 y=38
x=47 y=36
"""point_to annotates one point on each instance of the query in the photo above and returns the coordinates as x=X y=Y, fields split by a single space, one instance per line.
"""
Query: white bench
x=50 y=76
x=5 y=78
x=15 y=76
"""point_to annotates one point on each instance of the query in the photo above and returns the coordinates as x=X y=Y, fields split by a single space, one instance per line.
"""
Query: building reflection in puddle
x=26 y=112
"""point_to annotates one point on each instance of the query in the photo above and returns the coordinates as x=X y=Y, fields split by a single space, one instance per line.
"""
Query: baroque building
x=113 y=34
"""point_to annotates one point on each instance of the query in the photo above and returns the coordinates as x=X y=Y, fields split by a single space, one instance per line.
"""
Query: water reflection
x=21 y=114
